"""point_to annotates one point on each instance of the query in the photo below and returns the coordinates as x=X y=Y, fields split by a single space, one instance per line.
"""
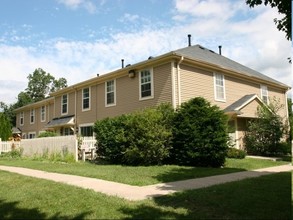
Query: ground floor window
x=67 y=131
x=31 y=135
x=86 y=131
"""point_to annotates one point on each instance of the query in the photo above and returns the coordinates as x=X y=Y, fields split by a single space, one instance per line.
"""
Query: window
x=43 y=113
x=219 y=87
x=86 y=99
x=64 y=104
x=264 y=94
x=67 y=131
x=110 y=93
x=21 y=118
x=31 y=135
x=86 y=131
x=32 y=116
x=146 y=84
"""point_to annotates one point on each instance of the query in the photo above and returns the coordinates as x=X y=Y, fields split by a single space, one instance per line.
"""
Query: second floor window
x=86 y=99
x=32 y=116
x=64 y=104
x=21 y=118
x=264 y=94
x=43 y=113
x=146 y=84
x=110 y=93
x=219 y=84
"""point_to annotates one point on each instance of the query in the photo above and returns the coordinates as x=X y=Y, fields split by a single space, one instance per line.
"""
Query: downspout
x=75 y=111
x=179 y=80
x=173 y=85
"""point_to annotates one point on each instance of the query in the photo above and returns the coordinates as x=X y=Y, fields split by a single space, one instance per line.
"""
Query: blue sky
x=77 y=39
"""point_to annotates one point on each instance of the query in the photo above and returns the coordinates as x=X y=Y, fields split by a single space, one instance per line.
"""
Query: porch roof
x=235 y=108
x=61 y=121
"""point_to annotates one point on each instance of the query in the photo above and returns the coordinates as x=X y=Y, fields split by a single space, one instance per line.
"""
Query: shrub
x=140 y=138
x=47 y=134
x=200 y=134
x=236 y=153
x=264 y=134
x=15 y=153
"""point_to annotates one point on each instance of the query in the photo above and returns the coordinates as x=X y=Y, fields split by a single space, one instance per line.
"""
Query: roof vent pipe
x=220 y=50
x=122 y=63
x=189 y=40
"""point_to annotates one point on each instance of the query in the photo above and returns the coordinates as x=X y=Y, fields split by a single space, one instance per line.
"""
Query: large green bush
x=140 y=138
x=200 y=134
x=265 y=133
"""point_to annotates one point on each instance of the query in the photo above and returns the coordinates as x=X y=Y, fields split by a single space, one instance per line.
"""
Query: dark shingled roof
x=234 y=107
x=198 y=52
x=57 y=122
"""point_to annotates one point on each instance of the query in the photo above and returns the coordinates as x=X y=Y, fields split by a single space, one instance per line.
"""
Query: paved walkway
x=143 y=192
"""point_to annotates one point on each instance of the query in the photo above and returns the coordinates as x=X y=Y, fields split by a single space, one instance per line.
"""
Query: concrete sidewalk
x=143 y=192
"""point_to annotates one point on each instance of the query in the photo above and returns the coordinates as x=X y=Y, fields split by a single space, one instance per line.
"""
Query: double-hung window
x=86 y=99
x=32 y=116
x=21 y=118
x=64 y=104
x=110 y=87
x=146 y=87
x=43 y=113
x=264 y=94
x=219 y=87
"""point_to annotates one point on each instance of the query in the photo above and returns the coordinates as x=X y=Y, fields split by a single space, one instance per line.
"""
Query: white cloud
x=75 y=4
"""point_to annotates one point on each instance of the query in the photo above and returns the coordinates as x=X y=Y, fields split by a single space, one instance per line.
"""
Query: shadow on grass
x=266 y=197
x=186 y=173
x=10 y=210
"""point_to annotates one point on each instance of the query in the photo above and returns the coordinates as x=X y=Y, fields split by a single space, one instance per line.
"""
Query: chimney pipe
x=189 y=40
x=220 y=50
x=122 y=63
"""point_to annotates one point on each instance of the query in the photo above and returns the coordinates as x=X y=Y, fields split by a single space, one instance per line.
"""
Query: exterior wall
x=196 y=82
x=250 y=109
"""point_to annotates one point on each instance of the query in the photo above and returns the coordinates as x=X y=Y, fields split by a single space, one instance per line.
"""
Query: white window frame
x=264 y=93
x=108 y=92
x=32 y=116
x=43 y=113
x=85 y=125
x=151 y=81
x=67 y=103
x=89 y=98
x=223 y=87
x=21 y=118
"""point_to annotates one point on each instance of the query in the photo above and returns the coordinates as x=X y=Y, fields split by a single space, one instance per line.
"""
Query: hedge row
x=195 y=134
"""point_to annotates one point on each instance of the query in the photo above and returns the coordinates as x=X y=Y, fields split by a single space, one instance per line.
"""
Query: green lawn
x=267 y=197
x=142 y=175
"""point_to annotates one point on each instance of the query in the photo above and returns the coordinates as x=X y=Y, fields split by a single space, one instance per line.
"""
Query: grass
x=267 y=197
x=142 y=175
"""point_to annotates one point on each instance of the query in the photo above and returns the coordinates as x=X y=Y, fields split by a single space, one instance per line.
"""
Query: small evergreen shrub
x=140 y=138
x=236 y=153
x=200 y=134
x=47 y=134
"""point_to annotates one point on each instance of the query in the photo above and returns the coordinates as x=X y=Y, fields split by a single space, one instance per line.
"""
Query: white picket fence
x=48 y=145
x=7 y=146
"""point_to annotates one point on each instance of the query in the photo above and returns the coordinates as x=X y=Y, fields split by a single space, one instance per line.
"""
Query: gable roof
x=241 y=103
x=201 y=53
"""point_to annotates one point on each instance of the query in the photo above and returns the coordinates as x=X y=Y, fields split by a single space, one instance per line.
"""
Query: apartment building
x=174 y=77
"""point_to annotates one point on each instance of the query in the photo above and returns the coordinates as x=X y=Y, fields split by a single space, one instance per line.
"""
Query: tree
x=200 y=136
x=265 y=133
x=284 y=7
x=5 y=127
x=41 y=84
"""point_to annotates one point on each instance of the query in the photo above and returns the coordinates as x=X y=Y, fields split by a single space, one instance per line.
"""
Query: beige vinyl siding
x=127 y=93
x=250 y=109
x=196 y=82
x=87 y=116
